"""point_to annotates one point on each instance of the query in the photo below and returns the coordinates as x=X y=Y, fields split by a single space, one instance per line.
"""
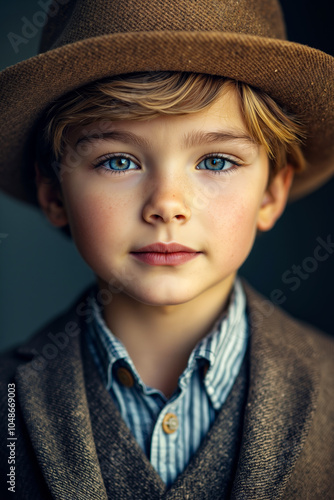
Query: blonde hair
x=142 y=96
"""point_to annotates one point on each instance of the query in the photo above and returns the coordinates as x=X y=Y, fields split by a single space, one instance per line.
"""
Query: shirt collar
x=220 y=352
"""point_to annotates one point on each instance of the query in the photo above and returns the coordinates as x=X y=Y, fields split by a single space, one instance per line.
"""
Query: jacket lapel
x=52 y=397
x=126 y=471
x=284 y=385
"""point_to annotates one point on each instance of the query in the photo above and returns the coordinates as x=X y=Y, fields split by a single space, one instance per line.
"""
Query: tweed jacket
x=287 y=442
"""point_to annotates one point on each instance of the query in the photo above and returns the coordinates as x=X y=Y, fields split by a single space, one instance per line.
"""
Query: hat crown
x=73 y=20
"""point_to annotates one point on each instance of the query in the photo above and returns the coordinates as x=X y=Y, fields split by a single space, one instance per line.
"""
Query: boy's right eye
x=116 y=163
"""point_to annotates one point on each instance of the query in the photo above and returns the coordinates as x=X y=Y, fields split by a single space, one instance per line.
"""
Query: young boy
x=161 y=137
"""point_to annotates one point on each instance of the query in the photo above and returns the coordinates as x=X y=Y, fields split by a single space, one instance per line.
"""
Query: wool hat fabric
x=245 y=40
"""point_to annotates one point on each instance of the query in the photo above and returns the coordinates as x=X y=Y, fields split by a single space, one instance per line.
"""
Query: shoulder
x=263 y=314
x=298 y=347
x=299 y=369
x=303 y=351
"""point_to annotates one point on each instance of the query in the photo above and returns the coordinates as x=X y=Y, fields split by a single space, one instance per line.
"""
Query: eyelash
x=223 y=157
x=103 y=160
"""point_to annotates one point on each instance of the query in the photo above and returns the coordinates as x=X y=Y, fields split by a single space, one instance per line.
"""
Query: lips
x=165 y=248
x=165 y=254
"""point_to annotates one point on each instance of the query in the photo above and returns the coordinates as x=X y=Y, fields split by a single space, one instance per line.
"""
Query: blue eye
x=120 y=163
x=216 y=164
x=117 y=164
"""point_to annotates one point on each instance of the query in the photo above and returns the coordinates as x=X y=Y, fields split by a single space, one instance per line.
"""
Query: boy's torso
x=287 y=440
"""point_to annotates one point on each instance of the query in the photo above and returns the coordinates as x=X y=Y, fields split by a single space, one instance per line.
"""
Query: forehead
x=224 y=115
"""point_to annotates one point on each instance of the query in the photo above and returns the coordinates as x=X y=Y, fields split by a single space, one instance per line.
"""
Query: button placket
x=160 y=436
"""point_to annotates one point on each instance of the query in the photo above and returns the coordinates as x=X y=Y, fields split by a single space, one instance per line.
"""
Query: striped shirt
x=170 y=431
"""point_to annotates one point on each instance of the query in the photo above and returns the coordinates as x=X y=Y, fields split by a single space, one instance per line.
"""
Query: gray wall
x=41 y=272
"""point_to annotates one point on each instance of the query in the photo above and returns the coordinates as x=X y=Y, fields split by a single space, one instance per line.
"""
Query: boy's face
x=196 y=180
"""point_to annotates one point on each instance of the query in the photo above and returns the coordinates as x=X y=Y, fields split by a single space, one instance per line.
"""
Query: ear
x=275 y=199
x=50 y=199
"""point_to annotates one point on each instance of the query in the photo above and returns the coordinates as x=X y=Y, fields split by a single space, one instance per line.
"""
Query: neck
x=160 y=339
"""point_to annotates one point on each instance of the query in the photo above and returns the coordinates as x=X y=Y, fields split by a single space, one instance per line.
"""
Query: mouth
x=165 y=254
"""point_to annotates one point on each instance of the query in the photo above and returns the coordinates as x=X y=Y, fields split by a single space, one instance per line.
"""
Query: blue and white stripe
x=198 y=398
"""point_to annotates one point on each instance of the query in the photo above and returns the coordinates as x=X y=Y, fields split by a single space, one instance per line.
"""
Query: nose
x=165 y=202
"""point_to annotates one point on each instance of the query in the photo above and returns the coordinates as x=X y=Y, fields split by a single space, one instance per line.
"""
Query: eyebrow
x=126 y=137
x=199 y=137
x=190 y=140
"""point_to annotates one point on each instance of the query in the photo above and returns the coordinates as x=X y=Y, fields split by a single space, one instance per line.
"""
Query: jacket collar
x=283 y=389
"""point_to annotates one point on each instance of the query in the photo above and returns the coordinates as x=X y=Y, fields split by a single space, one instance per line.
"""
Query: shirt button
x=124 y=376
x=170 y=423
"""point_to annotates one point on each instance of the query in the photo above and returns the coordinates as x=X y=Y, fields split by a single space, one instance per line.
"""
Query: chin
x=163 y=300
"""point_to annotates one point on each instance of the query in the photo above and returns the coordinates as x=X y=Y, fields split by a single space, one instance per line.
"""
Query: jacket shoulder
x=298 y=334
x=310 y=355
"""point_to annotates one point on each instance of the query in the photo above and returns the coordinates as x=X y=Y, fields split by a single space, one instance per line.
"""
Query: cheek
x=232 y=223
x=95 y=217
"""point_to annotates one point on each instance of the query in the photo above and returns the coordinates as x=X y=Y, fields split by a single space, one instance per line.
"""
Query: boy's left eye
x=217 y=164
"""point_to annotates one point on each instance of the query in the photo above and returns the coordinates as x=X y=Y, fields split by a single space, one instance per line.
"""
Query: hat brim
x=296 y=76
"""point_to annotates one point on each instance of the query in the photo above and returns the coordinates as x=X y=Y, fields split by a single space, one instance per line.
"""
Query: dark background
x=41 y=272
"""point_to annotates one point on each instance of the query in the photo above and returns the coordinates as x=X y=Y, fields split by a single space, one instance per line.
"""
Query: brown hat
x=87 y=40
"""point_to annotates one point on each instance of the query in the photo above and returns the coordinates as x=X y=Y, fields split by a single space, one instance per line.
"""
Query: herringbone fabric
x=73 y=444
